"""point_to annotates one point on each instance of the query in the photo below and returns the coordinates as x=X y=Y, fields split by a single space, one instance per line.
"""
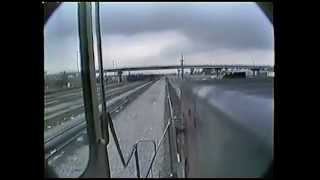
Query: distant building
x=235 y=75
x=207 y=71
x=71 y=76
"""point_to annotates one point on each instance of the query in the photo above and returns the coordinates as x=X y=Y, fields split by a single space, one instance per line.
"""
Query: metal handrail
x=165 y=131
x=135 y=148
x=108 y=116
x=160 y=142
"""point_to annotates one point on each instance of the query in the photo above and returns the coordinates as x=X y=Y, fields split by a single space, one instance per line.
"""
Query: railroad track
x=75 y=94
x=64 y=137
x=70 y=109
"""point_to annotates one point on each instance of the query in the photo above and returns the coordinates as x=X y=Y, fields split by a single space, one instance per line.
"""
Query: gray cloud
x=63 y=24
x=218 y=25
x=213 y=26
x=200 y=31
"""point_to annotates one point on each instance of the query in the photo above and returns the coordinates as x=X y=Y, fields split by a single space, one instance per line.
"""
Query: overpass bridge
x=216 y=67
x=164 y=67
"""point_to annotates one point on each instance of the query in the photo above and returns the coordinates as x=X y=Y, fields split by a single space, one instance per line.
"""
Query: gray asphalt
x=143 y=119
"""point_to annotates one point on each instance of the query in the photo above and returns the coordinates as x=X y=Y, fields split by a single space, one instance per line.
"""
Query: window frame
x=98 y=165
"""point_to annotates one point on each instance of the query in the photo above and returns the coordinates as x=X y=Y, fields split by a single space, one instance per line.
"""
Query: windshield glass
x=200 y=75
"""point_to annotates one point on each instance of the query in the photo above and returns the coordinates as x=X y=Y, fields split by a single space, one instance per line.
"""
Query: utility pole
x=78 y=62
x=253 y=61
x=114 y=73
x=182 y=66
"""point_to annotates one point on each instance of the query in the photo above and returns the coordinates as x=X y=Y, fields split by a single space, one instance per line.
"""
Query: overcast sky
x=142 y=34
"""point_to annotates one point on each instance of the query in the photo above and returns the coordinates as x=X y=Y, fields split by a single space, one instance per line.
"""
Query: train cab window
x=177 y=90
x=213 y=55
x=65 y=136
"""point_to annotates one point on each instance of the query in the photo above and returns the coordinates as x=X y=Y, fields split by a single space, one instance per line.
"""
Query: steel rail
x=59 y=139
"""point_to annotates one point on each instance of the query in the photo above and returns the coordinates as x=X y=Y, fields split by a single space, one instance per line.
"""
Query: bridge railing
x=157 y=67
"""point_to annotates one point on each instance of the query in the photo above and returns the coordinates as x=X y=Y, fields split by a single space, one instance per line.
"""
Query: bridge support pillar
x=119 y=76
x=218 y=70
x=255 y=71
x=191 y=71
